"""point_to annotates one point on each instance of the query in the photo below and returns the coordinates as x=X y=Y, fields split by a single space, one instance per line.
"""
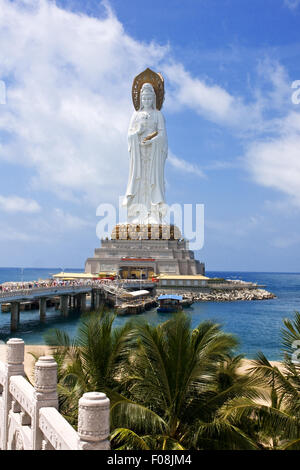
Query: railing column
x=93 y=421
x=43 y=304
x=14 y=366
x=45 y=394
x=14 y=316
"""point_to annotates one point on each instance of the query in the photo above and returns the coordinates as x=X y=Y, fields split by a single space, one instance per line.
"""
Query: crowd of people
x=49 y=283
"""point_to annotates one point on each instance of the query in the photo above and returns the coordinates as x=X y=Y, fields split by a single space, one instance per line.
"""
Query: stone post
x=45 y=393
x=14 y=366
x=15 y=316
x=64 y=305
x=43 y=304
x=93 y=421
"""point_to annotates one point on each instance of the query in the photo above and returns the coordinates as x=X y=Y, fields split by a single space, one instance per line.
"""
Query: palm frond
x=129 y=439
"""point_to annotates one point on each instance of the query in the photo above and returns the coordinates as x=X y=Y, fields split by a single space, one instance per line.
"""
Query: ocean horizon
x=256 y=324
x=47 y=268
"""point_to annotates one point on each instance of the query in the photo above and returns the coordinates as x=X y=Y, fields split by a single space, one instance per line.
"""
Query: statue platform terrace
x=141 y=251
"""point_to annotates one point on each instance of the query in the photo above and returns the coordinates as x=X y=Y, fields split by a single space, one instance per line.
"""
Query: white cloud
x=276 y=94
x=285 y=241
x=210 y=101
x=68 y=101
x=8 y=233
x=194 y=93
x=292 y=4
x=2 y=92
x=57 y=223
x=185 y=166
x=66 y=221
x=44 y=228
x=235 y=228
x=273 y=157
x=68 y=105
x=18 y=204
x=275 y=162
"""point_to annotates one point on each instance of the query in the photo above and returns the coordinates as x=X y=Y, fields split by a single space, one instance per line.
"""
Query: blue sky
x=233 y=130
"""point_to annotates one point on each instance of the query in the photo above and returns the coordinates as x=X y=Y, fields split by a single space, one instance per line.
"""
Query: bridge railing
x=29 y=416
x=40 y=290
x=52 y=289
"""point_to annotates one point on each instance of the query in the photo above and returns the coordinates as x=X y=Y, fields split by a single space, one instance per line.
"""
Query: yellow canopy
x=183 y=277
x=69 y=276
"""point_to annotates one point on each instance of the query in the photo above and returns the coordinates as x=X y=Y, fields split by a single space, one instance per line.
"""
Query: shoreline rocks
x=232 y=295
x=222 y=295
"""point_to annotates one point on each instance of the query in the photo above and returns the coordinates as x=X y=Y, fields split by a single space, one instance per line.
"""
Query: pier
x=69 y=296
x=114 y=294
x=128 y=296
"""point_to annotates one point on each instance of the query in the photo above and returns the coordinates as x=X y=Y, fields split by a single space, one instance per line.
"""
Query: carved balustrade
x=29 y=416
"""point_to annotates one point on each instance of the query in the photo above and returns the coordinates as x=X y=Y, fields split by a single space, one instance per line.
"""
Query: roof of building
x=170 y=296
x=137 y=293
x=183 y=276
x=63 y=275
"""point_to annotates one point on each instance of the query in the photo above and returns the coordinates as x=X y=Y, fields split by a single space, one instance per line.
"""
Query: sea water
x=257 y=324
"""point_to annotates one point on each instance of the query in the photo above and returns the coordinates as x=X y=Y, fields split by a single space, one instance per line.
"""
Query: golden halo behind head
x=156 y=80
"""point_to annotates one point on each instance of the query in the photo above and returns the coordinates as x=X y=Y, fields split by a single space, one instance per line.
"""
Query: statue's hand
x=146 y=142
x=141 y=129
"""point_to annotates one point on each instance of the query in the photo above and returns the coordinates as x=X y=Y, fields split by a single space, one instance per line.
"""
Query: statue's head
x=147 y=97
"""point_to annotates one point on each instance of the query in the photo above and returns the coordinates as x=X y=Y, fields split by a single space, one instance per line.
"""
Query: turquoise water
x=257 y=324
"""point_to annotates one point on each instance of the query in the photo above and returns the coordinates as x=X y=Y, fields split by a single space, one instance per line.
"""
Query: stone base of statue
x=141 y=251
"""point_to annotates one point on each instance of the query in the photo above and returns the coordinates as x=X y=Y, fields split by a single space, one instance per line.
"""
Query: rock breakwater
x=216 y=295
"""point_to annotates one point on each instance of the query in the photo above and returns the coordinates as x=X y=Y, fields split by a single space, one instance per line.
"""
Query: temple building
x=144 y=258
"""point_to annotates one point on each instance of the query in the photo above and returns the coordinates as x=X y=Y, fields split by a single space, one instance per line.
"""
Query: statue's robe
x=158 y=155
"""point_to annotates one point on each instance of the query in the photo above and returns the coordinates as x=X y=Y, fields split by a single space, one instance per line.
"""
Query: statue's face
x=147 y=100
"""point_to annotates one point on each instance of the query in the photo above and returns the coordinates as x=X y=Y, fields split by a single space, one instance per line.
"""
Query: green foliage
x=183 y=377
x=277 y=421
x=92 y=361
x=173 y=387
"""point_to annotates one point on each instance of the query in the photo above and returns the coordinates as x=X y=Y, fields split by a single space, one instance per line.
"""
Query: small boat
x=169 y=303
x=187 y=302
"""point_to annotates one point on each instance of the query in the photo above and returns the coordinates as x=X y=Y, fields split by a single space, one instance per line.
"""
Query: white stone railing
x=15 y=292
x=29 y=416
x=42 y=290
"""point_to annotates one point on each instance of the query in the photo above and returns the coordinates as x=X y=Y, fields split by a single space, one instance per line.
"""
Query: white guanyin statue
x=148 y=149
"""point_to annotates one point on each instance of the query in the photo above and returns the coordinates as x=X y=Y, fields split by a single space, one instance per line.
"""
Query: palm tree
x=168 y=384
x=176 y=380
x=278 y=421
x=91 y=361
